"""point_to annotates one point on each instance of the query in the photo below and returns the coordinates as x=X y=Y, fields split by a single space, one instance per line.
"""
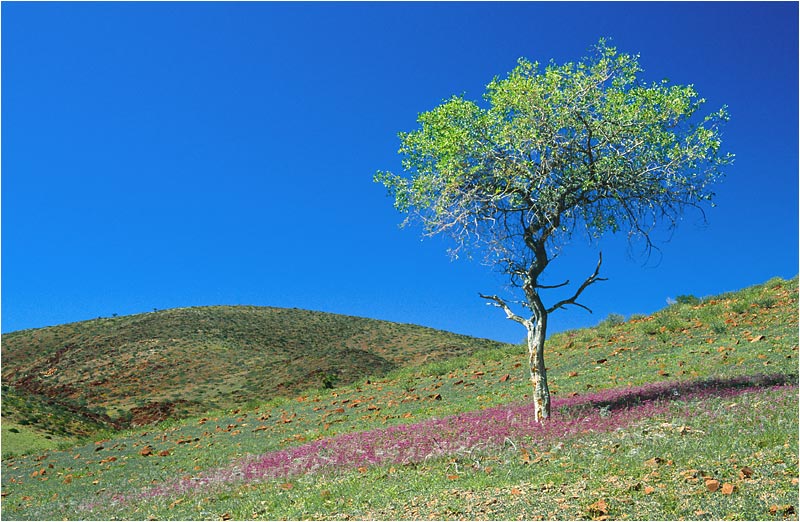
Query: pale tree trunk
x=537 y=327
x=537 y=331
x=541 y=393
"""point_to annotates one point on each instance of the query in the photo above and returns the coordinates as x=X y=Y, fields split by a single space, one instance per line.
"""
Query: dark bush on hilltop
x=687 y=299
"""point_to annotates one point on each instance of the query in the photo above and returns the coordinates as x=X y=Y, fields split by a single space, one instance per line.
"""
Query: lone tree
x=580 y=147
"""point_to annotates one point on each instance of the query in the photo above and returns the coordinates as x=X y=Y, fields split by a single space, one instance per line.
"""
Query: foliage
x=329 y=380
x=580 y=146
x=613 y=320
x=687 y=299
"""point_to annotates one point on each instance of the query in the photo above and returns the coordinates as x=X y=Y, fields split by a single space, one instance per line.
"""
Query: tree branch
x=589 y=280
x=550 y=287
x=502 y=304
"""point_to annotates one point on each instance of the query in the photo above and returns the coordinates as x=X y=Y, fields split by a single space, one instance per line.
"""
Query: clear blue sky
x=159 y=155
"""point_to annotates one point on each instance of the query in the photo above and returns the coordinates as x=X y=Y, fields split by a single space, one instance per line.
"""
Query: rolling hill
x=689 y=413
x=127 y=371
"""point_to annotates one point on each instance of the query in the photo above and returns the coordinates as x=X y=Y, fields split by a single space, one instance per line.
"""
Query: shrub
x=687 y=299
x=740 y=307
x=439 y=368
x=669 y=322
x=329 y=380
x=765 y=302
x=613 y=320
x=718 y=326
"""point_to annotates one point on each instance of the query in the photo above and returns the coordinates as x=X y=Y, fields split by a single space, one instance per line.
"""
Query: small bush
x=718 y=326
x=329 y=380
x=745 y=303
x=775 y=282
x=613 y=320
x=765 y=302
x=687 y=299
x=669 y=323
x=740 y=307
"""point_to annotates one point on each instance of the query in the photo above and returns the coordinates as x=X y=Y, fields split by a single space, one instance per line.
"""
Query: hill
x=128 y=371
x=689 y=413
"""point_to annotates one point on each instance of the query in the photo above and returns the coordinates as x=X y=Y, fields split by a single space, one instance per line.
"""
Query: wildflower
x=493 y=428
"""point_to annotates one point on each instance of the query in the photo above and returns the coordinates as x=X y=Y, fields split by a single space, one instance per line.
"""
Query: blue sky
x=160 y=155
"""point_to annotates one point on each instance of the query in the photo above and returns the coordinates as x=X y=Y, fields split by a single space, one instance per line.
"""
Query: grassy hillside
x=127 y=371
x=31 y=422
x=690 y=413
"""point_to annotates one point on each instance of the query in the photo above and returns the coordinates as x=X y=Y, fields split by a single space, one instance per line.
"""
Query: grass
x=629 y=460
x=18 y=439
x=32 y=423
x=645 y=463
x=125 y=371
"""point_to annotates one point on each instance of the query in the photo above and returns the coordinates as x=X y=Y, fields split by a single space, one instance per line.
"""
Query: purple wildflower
x=466 y=432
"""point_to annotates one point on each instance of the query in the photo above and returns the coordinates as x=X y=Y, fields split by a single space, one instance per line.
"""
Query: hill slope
x=128 y=371
x=663 y=417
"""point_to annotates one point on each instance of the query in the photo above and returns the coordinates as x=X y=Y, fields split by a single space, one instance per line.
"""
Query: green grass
x=32 y=423
x=18 y=439
x=653 y=470
x=718 y=436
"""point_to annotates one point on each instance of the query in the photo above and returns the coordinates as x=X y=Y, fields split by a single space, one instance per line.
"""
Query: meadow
x=691 y=413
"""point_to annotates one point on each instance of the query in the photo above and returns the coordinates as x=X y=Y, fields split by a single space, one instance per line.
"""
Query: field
x=690 y=413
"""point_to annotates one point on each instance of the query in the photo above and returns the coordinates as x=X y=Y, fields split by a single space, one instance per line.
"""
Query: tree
x=580 y=147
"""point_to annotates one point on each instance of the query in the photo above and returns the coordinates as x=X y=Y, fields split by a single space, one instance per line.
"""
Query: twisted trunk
x=536 y=326
x=537 y=332
x=541 y=393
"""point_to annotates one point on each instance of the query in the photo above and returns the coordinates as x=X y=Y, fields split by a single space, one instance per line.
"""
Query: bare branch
x=500 y=303
x=589 y=280
x=578 y=305
x=550 y=287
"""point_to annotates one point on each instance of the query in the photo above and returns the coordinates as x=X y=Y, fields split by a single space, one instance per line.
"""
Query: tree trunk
x=537 y=331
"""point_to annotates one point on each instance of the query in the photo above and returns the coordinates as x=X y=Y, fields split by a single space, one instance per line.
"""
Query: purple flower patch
x=602 y=411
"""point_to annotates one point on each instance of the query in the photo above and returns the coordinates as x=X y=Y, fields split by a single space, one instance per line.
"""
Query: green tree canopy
x=585 y=146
